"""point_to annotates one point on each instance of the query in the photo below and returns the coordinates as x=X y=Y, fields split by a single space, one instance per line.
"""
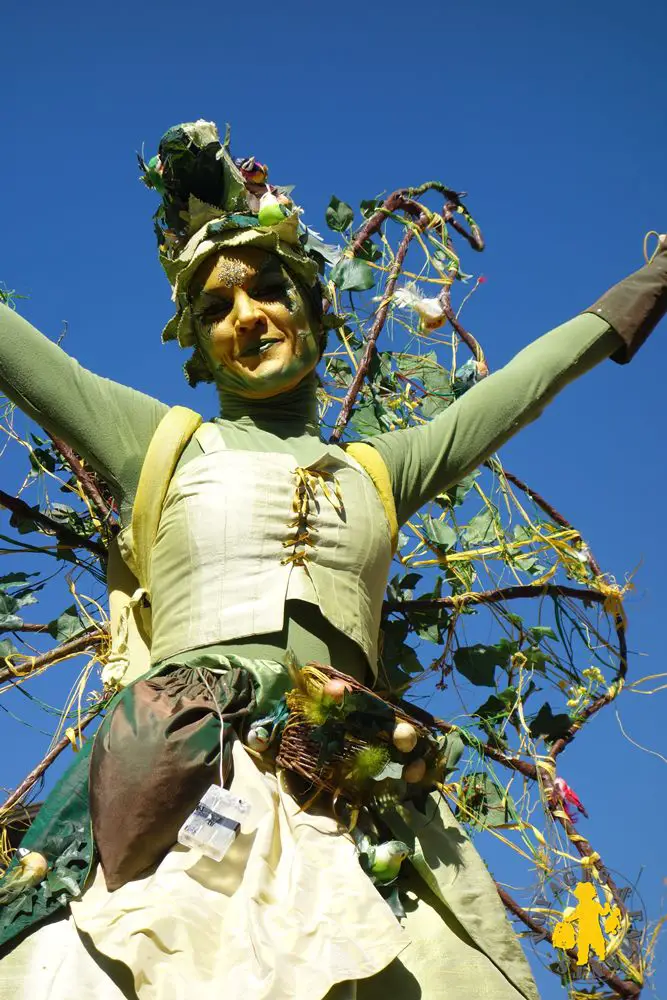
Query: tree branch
x=64 y=535
x=86 y=478
x=90 y=639
x=378 y=323
x=526 y=590
x=46 y=761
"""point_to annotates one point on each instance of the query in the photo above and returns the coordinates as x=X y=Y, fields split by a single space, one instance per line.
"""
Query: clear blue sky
x=551 y=116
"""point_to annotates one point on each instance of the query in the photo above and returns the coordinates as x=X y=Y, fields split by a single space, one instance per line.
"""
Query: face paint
x=230 y=271
x=257 y=336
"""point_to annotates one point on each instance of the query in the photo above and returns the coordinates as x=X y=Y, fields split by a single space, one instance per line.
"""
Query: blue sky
x=551 y=117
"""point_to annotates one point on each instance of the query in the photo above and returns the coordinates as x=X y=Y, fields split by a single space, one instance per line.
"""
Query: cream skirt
x=288 y=914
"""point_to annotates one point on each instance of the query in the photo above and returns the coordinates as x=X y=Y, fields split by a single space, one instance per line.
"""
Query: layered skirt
x=287 y=914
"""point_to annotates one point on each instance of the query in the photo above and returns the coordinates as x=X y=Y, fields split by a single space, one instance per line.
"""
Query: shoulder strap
x=166 y=447
x=370 y=459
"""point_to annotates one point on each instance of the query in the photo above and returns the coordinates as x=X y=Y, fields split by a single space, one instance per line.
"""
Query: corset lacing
x=305 y=504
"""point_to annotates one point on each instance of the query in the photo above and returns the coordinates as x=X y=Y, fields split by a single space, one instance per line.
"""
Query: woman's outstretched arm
x=424 y=461
x=108 y=424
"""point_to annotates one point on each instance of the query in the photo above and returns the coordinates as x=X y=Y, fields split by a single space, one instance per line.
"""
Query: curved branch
x=542 y=504
x=584 y=594
x=378 y=323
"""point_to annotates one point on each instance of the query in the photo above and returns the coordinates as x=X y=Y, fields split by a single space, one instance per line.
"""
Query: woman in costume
x=270 y=544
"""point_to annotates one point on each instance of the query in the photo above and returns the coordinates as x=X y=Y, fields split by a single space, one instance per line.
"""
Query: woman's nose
x=248 y=314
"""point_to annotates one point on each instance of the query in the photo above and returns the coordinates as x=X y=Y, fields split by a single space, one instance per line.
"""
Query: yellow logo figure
x=588 y=936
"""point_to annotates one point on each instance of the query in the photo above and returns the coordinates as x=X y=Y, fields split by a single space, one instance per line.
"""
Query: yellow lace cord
x=305 y=495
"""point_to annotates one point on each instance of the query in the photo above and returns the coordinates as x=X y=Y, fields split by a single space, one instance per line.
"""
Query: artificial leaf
x=439 y=532
x=67 y=625
x=481 y=530
x=478 y=663
x=339 y=215
x=14 y=579
x=497 y=705
x=390 y=770
x=551 y=727
x=369 y=206
x=542 y=632
x=352 y=275
x=8 y=619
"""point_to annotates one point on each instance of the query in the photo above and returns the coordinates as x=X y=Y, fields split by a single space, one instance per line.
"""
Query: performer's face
x=256 y=331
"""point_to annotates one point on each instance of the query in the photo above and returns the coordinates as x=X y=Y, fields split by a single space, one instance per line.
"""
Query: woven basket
x=300 y=752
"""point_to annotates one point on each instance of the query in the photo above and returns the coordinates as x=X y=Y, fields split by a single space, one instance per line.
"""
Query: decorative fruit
x=336 y=688
x=405 y=737
x=414 y=771
x=258 y=738
x=271 y=212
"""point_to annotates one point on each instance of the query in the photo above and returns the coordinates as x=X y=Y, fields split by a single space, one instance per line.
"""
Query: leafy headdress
x=211 y=201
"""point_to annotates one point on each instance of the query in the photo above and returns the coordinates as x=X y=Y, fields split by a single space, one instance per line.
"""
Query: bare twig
x=91 y=638
x=63 y=534
x=86 y=478
x=46 y=761
x=585 y=594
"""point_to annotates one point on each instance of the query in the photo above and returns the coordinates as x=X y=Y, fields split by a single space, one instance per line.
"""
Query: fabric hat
x=210 y=201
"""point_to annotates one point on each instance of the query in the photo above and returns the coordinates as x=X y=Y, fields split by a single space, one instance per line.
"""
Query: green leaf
x=452 y=750
x=24 y=523
x=352 y=275
x=66 y=626
x=390 y=770
x=497 y=705
x=368 y=251
x=439 y=532
x=457 y=494
x=486 y=801
x=369 y=207
x=14 y=579
x=339 y=215
x=551 y=727
x=401 y=588
x=536 y=659
x=365 y=419
x=8 y=605
x=480 y=530
x=433 y=405
x=541 y=632
x=478 y=663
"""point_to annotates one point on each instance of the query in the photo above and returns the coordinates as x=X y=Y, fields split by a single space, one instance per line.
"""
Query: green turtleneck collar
x=288 y=414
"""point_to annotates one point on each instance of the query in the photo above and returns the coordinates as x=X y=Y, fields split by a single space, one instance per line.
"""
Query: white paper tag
x=215 y=823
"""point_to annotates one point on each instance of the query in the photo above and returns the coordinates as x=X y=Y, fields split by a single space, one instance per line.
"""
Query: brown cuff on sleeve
x=635 y=306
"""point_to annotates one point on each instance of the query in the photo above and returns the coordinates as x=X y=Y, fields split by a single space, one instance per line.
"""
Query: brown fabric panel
x=154 y=757
x=635 y=306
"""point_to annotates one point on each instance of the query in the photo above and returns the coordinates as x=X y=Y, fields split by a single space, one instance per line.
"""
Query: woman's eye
x=216 y=312
x=271 y=292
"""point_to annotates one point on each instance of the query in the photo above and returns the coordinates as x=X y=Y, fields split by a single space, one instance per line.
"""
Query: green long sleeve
x=426 y=460
x=108 y=424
